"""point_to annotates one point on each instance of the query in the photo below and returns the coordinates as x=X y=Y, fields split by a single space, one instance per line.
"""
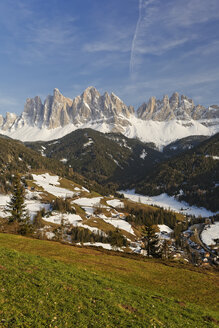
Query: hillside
x=102 y=157
x=79 y=287
x=193 y=175
x=15 y=157
x=189 y=164
x=182 y=145
x=87 y=216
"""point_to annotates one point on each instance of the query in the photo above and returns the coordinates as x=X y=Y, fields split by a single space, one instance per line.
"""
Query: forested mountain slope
x=194 y=175
x=15 y=157
x=103 y=157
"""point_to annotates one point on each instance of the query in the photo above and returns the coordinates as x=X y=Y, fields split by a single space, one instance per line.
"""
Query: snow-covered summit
x=176 y=107
x=158 y=121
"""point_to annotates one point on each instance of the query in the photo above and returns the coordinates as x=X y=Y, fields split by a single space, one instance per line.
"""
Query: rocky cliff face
x=58 y=111
x=180 y=108
x=91 y=106
x=107 y=113
x=8 y=121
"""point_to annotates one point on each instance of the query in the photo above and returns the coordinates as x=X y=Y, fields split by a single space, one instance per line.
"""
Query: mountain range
x=158 y=121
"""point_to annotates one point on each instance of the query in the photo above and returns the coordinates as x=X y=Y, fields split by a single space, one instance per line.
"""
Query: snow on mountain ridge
x=158 y=121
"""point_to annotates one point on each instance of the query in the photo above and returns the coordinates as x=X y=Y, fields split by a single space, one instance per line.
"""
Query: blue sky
x=135 y=49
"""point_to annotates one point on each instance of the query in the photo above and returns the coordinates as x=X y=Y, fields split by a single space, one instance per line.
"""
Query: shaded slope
x=15 y=157
x=194 y=174
x=102 y=157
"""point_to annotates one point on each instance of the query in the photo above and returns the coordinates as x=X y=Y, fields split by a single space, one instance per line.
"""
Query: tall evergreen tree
x=151 y=241
x=17 y=208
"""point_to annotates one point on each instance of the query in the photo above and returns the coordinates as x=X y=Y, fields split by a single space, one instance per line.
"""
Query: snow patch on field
x=168 y=202
x=85 y=189
x=89 y=210
x=164 y=228
x=49 y=183
x=165 y=231
x=88 y=204
x=34 y=206
x=105 y=246
x=73 y=219
x=115 y=203
x=4 y=199
x=68 y=218
x=120 y=224
x=87 y=201
x=32 y=195
x=210 y=233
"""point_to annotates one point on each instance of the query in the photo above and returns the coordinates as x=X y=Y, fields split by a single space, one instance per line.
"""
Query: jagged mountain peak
x=177 y=116
x=56 y=90
x=176 y=107
x=90 y=92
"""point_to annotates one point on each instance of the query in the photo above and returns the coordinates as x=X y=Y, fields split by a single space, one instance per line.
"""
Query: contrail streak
x=131 y=66
x=142 y=3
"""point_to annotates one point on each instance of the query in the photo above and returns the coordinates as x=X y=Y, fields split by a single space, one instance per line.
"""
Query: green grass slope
x=46 y=284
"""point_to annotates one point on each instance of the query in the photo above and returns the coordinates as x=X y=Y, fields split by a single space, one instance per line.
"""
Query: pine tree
x=17 y=208
x=165 y=250
x=151 y=241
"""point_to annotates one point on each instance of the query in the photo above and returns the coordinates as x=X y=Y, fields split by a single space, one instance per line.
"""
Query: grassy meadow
x=47 y=284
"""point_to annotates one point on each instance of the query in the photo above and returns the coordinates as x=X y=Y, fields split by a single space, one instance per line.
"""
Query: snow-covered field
x=167 y=202
x=90 y=202
x=49 y=183
x=165 y=231
x=115 y=203
x=73 y=219
x=210 y=233
x=3 y=201
x=33 y=206
x=121 y=224
x=68 y=218
x=164 y=228
x=105 y=246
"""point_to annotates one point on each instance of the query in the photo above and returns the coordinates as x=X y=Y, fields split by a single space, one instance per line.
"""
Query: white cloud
x=158 y=49
x=112 y=39
x=163 y=26
x=34 y=37
x=104 y=46
x=189 y=12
